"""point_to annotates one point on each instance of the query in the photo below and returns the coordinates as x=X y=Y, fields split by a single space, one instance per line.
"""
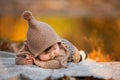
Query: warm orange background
x=93 y=26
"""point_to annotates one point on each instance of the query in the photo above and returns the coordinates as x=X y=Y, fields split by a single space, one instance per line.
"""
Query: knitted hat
x=40 y=35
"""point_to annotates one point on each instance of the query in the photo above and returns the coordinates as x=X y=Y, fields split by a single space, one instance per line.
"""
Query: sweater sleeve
x=20 y=57
x=56 y=63
x=52 y=64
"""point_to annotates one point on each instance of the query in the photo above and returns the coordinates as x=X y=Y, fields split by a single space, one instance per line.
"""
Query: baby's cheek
x=57 y=53
x=45 y=57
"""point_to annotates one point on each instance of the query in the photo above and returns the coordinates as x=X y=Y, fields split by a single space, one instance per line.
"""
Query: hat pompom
x=27 y=15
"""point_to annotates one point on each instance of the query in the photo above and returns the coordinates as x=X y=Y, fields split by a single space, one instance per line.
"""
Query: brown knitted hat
x=40 y=35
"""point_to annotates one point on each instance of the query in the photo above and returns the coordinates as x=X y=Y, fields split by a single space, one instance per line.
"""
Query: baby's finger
x=29 y=60
x=29 y=63
x=36 y=62
x=34 y=59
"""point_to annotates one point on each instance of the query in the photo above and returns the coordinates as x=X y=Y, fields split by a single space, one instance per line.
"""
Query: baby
x=45 y=48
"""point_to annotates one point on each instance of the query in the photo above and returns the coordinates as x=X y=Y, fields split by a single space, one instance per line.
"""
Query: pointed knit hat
x=40 y=35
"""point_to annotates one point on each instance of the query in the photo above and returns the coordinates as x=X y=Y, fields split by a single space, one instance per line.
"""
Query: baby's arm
x=39 y=63
x=51 y=64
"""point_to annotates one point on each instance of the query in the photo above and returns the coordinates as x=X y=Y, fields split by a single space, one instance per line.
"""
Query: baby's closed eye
x=53 y=48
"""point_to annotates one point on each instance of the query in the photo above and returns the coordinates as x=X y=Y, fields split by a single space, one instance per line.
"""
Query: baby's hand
x=29 y=60
x=39 y=63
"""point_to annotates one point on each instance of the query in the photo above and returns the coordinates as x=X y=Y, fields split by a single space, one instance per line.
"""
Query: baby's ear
x=27 y=14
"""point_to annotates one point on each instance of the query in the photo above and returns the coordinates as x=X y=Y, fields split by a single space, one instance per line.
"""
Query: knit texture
x=40 y=35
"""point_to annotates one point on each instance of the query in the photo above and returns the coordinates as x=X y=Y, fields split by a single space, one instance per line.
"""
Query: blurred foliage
x=91 y=25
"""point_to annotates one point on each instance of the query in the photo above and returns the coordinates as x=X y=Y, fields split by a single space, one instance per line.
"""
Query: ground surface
x=10 y=71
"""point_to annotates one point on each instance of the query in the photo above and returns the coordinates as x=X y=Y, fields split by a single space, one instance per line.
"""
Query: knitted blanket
x=10 y=71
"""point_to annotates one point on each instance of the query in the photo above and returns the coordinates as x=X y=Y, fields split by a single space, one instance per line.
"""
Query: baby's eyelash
x=48 y=51
x=53 y=48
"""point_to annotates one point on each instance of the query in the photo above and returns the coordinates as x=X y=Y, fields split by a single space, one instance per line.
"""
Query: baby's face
x=50 y=54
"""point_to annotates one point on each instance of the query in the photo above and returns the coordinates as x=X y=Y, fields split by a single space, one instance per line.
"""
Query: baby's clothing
x=72 y=51
x=69 y=46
